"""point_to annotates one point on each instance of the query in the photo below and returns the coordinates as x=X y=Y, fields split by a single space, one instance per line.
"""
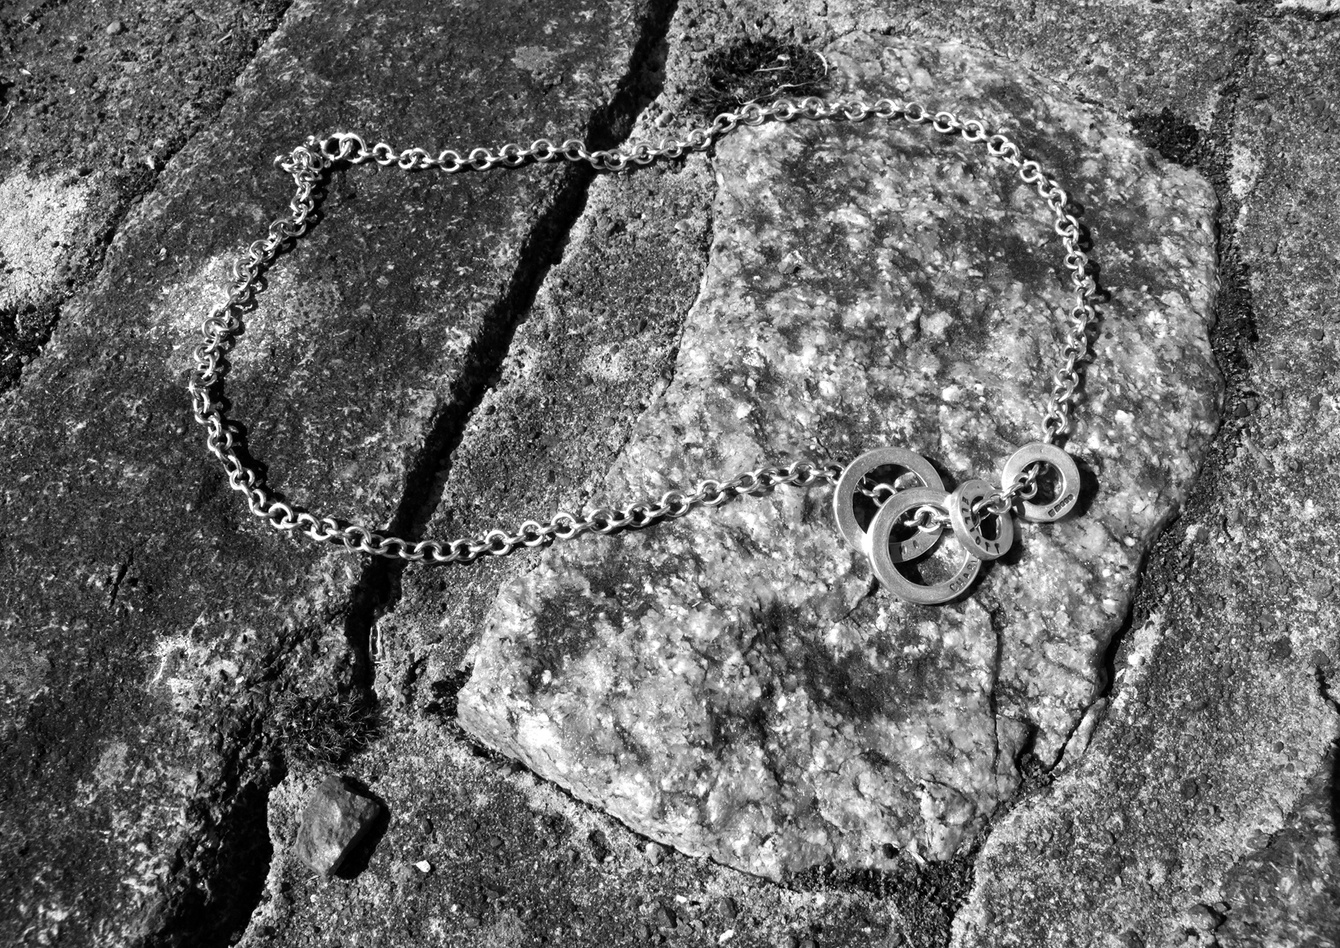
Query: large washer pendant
x=844 y=497
x=881 y=529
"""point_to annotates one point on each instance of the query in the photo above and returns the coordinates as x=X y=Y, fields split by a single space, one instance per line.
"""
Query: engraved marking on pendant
x=1058 y=508
x=884 y=565
x=971 y=536
x=1062 y=463
x=844 y=497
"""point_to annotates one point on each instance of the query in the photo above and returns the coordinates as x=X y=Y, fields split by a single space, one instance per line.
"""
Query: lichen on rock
x=44 y=216
x=730 y=683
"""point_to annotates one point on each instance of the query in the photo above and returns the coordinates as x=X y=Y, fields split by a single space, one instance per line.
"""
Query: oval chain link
x=307 y=163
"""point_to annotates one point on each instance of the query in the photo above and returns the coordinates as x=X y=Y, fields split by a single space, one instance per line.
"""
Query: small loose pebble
x=655 y=853
x=665 y=918
x=423 y=865
x=115 y=28
x=790 y=941
x=727 y=907
x=1202 y=917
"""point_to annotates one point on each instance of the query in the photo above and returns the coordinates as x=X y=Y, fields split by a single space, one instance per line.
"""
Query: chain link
x=309 y=162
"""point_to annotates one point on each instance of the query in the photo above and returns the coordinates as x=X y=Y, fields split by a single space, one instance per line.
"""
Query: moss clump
x=324 y=729
x=756 y=70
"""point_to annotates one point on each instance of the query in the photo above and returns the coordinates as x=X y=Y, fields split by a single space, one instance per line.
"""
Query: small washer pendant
x=844 y=497
x=1062 y=463
x=884 y=565
x=973 y=539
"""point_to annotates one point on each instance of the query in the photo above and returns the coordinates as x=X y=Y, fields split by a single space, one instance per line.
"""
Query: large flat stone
x=152 y=620
x=728 y=684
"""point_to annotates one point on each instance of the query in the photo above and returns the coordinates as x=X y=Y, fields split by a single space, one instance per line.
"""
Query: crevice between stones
x=219 y=874
x=1233 y=335
x=997 y=619
x=136 y=187
x=379 y=586
x=1209 y=152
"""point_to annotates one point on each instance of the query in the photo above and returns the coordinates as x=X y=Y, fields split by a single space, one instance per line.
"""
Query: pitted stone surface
x=728 y=683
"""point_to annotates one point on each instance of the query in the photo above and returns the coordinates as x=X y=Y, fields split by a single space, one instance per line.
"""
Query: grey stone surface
x=729 y=684
x=88 y=119
x=1208 y=780
x=335 y=820
x=135 y=805
x=166 y=636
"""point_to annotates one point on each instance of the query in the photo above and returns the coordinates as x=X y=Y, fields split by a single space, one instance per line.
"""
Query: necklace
x=914 y=510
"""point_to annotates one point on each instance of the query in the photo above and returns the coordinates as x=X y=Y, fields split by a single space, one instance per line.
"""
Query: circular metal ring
x=1062 y=463
x=884 y=565
x=845 y=494
x=960 y=504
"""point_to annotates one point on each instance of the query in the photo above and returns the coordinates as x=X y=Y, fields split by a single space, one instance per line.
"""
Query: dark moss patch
x=756 y=70
x=1170 y=135
x=324 y=729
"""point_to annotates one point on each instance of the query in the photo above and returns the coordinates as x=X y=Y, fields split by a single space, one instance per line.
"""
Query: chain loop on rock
x=309 y=162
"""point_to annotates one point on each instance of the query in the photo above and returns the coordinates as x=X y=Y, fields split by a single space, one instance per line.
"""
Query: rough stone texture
x=1211 y=781
x=334 y=821
x=1287 y=892
x=88 y=119
x=1137 y=56
x=1239 y=90
x=728 y=684
x=167 y=637
x=514 y=860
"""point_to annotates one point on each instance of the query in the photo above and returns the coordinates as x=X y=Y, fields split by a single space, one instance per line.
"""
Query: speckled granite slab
x=733 y=684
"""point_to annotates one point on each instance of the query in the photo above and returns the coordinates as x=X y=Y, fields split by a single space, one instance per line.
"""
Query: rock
x=336 y=819
x=727 y=684
x=101 y=456
x=1209 y=697
x=115 y=28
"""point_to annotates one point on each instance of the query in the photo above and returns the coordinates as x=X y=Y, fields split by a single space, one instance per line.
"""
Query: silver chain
x=309 y=162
